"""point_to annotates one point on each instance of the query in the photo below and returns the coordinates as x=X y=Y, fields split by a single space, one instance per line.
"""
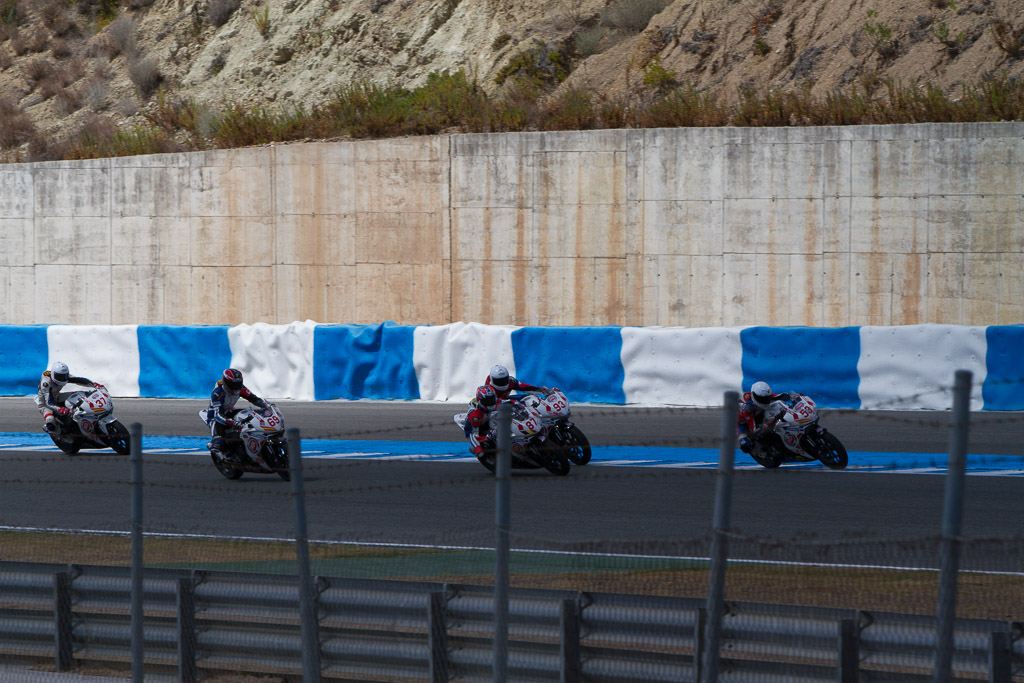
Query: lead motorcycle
x=791 y=433
x=90 y=423
x=257 y=445
x=554 y=409
x=531 y=446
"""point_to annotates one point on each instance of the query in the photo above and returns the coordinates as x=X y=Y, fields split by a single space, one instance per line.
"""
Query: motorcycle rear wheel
x=577 y=447
x=226 y=468
x=118 y=438
x=65 y=444
x=552 y=457
x=829 y=450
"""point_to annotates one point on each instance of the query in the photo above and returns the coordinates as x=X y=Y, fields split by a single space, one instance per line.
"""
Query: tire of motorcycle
x=552 y=457
x=487 y=460
x=577 y=446
x=118 y=438
x=828 y=449
x=226 y=468
x=65 y=444
x=279 y=460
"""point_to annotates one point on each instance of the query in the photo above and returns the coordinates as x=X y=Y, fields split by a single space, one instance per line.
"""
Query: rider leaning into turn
x=478 y=419
x=49 y=399
x=752 y=408
x=222 y=409
x=504 y=384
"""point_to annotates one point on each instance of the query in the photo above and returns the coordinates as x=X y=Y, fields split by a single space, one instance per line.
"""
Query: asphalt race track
x=617 y=509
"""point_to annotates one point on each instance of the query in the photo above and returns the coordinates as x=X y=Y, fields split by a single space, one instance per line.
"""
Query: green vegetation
x=882 y=42
x=452 y=103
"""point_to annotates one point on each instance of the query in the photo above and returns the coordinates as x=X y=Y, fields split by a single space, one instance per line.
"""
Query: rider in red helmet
x=222 y=409
x=478 y=419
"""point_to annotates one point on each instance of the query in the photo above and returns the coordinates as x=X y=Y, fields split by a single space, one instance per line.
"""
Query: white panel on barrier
x=681 y=366
x=911 y=367
x=108 y=354
x=451 y=361
x=276 y=360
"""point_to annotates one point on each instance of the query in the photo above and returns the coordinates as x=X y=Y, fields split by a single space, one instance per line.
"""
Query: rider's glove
x=63 y=411
x=231 y=423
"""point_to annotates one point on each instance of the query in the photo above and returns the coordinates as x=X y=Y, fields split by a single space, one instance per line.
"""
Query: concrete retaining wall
x=830 y=227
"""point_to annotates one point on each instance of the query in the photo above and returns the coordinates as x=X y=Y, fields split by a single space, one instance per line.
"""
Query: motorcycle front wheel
x=118 y=438
x=828 y=449
x=225 y=468
x=577 y=447
x=65 y=443
x=279 y=460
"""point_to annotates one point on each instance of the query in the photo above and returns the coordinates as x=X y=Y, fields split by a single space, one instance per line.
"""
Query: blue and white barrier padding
x=905 y=367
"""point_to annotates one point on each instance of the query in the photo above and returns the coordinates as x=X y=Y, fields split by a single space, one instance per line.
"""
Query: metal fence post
x=137 y=633
x=186 y=605
x=849 y=651
x=309 y=626
x=437 y=637
x=952 y=515
x=62 y=630
x=502 y=515
x=570 y=640
x=1000 y=657
x=719 y=540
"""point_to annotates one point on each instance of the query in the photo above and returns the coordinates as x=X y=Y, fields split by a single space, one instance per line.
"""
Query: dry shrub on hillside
x=59 y=48
x=632 y=15
x=67 y=101
x=219 y=11
x=96 y=93
x=56 y=17
x=18 y=127
x=38 y=40
x=145 y=75
x=38 y=69
x=121 y=32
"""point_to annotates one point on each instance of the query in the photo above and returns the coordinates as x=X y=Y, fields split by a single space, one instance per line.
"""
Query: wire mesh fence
x=608 y=569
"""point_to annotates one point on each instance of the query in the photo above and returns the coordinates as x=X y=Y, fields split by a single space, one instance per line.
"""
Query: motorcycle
x=531 y=447
x=554 y=408
x=90 y=423
x=791 y=433
x=257 y=445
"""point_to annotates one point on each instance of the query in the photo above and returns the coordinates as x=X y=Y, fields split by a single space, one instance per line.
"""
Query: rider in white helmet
x=49 y=399
x=752 y=407
x=504 y=384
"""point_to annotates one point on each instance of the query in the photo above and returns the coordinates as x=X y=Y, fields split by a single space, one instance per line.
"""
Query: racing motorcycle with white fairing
x=531 y=446
x=791 y=433
x=258 y=444
x=90 y=423
x=554 y=409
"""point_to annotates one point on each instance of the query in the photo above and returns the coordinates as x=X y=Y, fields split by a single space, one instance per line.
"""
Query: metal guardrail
x=201 y=620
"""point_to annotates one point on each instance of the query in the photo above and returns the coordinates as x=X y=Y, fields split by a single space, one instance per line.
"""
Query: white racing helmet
x=761 y=394
x=499 y=377
x=59 y=373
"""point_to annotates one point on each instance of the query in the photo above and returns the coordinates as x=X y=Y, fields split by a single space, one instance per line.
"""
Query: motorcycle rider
x=220 y=414
x=752 y=410
x=478 y=419
x=49 y=400
x=504 y=384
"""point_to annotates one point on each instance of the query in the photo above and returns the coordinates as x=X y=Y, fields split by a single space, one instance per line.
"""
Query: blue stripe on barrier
x=820 y=362
x=584 y=362
x=181 y=362
x=1004 y=378
x=23 y=356
x=364 y=361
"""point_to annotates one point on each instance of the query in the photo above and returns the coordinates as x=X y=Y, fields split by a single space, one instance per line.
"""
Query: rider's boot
x=51 y=423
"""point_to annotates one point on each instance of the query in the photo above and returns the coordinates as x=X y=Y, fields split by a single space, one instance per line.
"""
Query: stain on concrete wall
x=867 y=225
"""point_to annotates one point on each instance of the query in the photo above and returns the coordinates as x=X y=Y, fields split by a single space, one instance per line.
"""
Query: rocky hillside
x=69 y=63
